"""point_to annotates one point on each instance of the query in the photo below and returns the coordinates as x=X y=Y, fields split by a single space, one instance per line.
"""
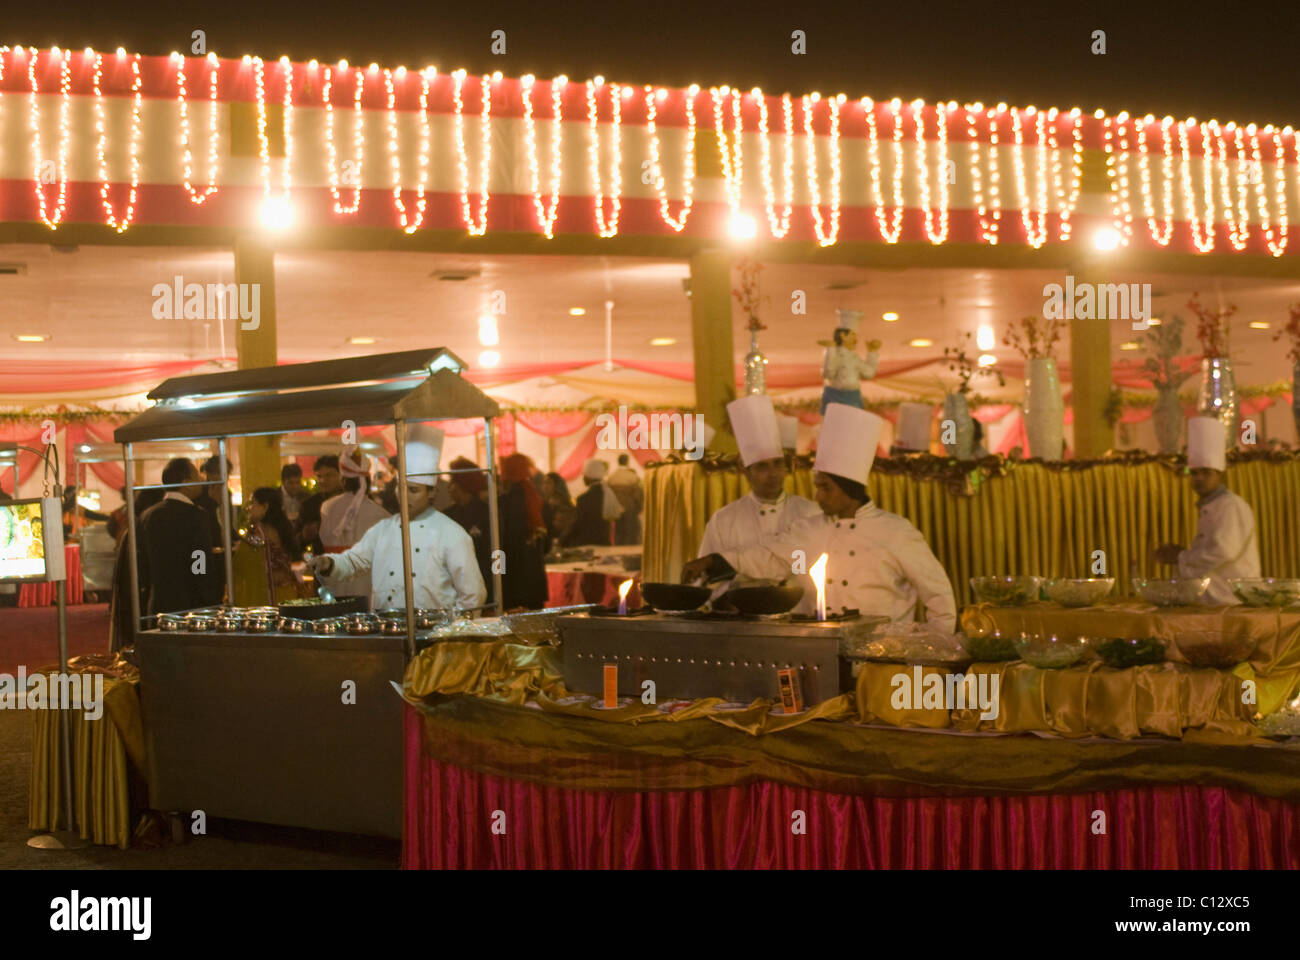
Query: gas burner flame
x=818 y=573
x=623 y=589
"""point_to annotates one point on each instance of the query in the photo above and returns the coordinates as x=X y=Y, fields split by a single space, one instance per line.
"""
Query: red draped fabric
x=449 y=814
x=505 y=428
x=113 y=475
x=585 y=448
x=558 y=424
x=27 y=462
x=71 y=376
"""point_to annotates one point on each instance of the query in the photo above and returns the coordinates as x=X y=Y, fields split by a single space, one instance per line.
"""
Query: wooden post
x=715 y=365
x=259 y=457
x=1090 y=377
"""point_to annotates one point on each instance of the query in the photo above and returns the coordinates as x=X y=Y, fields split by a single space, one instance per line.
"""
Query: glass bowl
x=991 y=648
x=1266 y=591
x=1051 y=653
x=1006 y=591
x=1121 y=653
x=1213 y=648
x=1079 y=592
x=1178 y=592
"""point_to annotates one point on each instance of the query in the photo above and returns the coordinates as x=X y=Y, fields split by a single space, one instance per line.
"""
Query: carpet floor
x=30 y=636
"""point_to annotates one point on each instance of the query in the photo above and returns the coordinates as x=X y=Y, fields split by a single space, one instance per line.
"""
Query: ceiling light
x=487 y=331
x=1154 y=322
x=743 y=227
x=30 y=338
x=889 y=317
x=577 y=312
x=1258 y=324
x=1107 y=238
x=921 y=342
x=276 y=213
x=1130 y=345
x=361 y=341
x=662 y=341
x=985 y=339
x=987 y=360
x=489 y=358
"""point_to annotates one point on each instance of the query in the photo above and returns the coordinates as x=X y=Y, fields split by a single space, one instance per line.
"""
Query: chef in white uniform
x=444 y=569
x=767 y=511
x=877 y=562
x=1225 y=547
x=344 y=519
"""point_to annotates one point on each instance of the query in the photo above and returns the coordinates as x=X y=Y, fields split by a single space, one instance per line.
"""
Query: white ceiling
x=96 y=302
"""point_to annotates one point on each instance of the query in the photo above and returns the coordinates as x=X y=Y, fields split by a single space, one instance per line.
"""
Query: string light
x=1202 y=239
x=1234 y=217
x=395 y=161
x=181 y=97
x=477 y=226
x=65 y=84
x=358 y=137
x=937 y=234
x=779 y=226
x=688 y=158
x=988 y=226
x=733 y=160
x=1068 y=200
x=1121 y=209
x=1161 y=233
x=287 y=103
x=1275 y=246
x=825 y=238
x=606 y=228
x=544 y=217
x=101 y=163
x=891 y=223
x=1035 y=224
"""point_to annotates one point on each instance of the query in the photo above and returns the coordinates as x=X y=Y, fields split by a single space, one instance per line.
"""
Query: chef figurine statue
x=842 y=368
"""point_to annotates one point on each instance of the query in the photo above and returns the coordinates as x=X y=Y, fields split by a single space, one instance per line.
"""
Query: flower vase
x=755 y=367
x=958 y=426
x=1218 y=396
x=1168 y=417
x=1295 y=397
x=1044 y=409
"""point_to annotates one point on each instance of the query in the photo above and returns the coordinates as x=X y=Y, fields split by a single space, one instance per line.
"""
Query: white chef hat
x=789 y=427
x=753 y=420
x=595 y=469
x=423 y=452
x=914 y=426
x=847 y=445
x=354 y=463
x=1206 y=446
x=848 y=320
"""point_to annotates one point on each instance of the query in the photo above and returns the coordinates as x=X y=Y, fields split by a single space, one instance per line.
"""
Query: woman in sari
x=264 y=558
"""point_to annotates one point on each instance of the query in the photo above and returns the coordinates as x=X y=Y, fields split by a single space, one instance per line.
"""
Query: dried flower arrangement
x=960 y=363
x=1292 y=330
x=1163 y=343
x=1211 y=326
x=1033 y=337
x=747 y=294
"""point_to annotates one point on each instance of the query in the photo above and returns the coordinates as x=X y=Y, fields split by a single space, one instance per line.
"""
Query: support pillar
x=714 y=348
x=1090 y=373
x=259 y=457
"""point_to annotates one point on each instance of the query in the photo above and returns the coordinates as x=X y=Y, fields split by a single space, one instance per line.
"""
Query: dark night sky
x=1228 y=60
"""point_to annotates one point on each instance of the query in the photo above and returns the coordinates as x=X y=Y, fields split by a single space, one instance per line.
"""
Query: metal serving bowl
x=196 y=623
x=424 y=619
x=362 y=623
x=169 y=621
x=328 y=625
x=292 y=625
x=262 y=624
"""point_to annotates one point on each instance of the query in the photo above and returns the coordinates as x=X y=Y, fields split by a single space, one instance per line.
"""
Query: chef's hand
x=698 y=569
x=873 y=345
x=1168 y=553
x=322 y=565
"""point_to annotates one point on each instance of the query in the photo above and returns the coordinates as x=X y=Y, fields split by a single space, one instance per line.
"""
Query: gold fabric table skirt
x=1275 y=634
x=106 y=753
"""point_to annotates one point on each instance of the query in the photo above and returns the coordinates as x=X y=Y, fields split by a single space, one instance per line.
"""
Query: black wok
x=762 y=600
x=674 y=596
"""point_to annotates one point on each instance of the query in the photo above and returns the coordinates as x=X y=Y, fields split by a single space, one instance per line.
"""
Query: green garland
x=64 y=417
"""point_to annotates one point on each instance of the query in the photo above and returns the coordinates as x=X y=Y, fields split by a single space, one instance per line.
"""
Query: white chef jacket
x=877 y=563
x=340 y=529
x=748 y=521
x=1225 y=547
x=844 y=369
x=444 y=568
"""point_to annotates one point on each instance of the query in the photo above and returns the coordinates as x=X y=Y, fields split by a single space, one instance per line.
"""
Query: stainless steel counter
x=254 y=726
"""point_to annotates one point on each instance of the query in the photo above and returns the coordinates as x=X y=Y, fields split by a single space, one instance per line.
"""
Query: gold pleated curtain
x=1033 y=519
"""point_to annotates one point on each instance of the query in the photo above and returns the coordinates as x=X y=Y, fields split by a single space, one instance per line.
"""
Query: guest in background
x=121 y=633
x=209 y=501
x=557 y=507
x=595 y=508
x=386 y=492
x=329 y=483
x=345 y=519
x=470 y=510
x=979 y=451
x=263 y=559
x=291 y=492
x=631 y=495
x=178 y=560
x=523 y=536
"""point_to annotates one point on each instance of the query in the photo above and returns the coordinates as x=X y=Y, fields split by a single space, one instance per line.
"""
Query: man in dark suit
x=591 y=526
x=174 y=533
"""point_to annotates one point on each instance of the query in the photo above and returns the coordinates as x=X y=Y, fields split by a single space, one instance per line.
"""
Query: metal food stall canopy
x=398 y=388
